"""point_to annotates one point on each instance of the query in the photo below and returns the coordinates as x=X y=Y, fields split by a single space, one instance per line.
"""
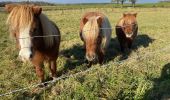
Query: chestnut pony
x=37 y=38
x=95 y=32
x=126 y=30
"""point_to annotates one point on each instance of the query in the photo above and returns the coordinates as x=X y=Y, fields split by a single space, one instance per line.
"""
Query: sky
x=84 y=1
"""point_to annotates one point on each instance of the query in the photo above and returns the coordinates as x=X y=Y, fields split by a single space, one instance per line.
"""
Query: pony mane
x=20 y=18
x=105 y=30
x=49 y=30
x=88 y=15
x=91 y=28
x=128 y=19
x=106 y=33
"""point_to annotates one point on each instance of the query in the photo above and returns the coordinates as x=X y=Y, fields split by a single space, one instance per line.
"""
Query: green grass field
x=145 y=74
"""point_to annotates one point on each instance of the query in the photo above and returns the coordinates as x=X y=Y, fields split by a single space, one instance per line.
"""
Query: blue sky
x=85 y=1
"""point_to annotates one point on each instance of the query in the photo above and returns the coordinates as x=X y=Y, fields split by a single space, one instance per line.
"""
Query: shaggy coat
x=95 y=32
x=37 y=38
x=126 y=30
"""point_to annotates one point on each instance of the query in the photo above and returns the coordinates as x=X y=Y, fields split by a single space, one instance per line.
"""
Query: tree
x=133 y=2
x=122 y=2
x=117 y=1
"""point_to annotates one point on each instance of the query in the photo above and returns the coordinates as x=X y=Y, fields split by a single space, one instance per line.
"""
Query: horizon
x=81 y=1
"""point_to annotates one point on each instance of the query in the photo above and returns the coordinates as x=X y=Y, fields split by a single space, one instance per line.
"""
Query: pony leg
x=40 y=72
x=129 y=44
x=52 y=66
x=101 y=56
x=122 y=44
x=38 y=63
x=89 y=64
x=122 y=47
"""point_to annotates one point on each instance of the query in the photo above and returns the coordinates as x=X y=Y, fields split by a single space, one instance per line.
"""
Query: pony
x=126 y=30
x=95 y=32
x=37 y=37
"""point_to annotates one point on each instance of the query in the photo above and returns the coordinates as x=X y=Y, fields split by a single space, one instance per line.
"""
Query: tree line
x=41 y=3
x=133 y=2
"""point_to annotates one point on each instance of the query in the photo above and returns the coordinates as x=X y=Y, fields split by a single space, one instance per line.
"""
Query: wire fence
x=84 y=72
x=46 y=36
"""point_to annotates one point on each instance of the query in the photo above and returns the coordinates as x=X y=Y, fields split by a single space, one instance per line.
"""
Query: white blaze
x=129 y=35
x=25 y=44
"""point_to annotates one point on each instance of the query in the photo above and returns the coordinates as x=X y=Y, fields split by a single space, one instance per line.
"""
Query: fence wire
x=84 y=72
x=46 y=36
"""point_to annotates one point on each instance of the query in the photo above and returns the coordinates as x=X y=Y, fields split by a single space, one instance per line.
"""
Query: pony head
x=23 y=21
x=129 y=23
x=92 y=36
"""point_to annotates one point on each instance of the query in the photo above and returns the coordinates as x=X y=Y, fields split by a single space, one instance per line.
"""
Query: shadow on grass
x=142 y=40
x=27 y=96
x=34 y=94
x=74 y=57
x=114 y=48
x=161 y=86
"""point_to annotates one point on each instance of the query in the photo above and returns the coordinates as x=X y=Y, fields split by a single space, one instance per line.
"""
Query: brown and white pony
x=95 y=32
x=37 y=38
x=126 y=30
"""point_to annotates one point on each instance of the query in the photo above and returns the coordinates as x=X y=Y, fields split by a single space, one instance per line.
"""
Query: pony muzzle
x=25 y=55
x=129 y=35
x=91 y=57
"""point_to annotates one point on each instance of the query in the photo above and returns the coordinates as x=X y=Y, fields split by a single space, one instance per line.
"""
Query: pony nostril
x=90 y=57
x=31 y=55
x=93 y=57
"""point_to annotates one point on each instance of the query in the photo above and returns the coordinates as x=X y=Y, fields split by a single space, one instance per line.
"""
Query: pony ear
x=85 y=20
x=99 y=20
x=9 y=7
x=124 y=14
x=135 y=14
x=37 y=10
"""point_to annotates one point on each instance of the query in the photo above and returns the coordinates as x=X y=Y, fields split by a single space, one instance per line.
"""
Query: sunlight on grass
x=138 y=78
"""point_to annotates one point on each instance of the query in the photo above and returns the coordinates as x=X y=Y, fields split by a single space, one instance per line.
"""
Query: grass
x=144 y=77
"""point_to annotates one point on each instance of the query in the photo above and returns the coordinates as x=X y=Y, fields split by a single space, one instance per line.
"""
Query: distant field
x=102 y=5
x=105 y=5
x=145 y=74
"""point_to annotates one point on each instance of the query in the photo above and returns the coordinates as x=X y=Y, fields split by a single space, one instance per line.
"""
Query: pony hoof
x=101 y=63
x=86 y=61
x=89 y=64
x=54 y=79
x=42 y=85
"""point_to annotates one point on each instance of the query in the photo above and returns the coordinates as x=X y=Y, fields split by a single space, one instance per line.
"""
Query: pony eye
x=35 y=29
